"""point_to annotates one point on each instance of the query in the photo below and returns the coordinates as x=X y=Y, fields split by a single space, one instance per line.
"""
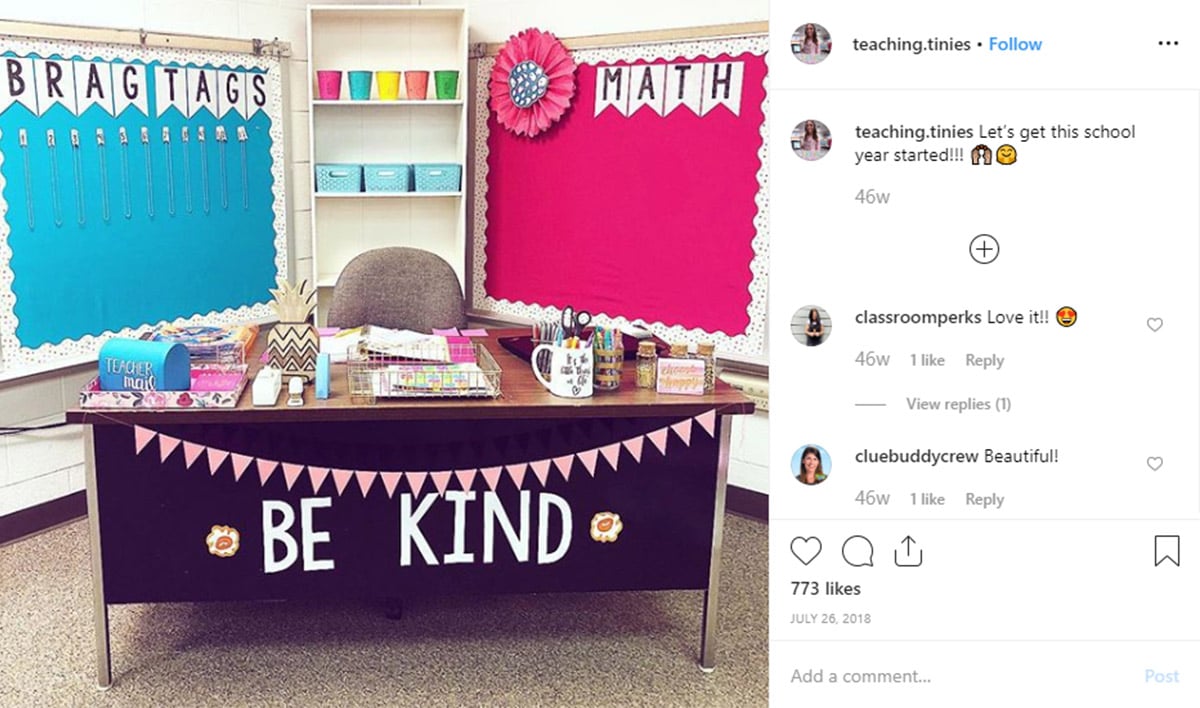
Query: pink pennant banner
x=541 y=468
x=684 y=430
x=191 y=451
x=291 y=472
x=634 y=446
x=440 y=480
x=265 y=469
x=491 y=475
x=611 y=453
x=240 y=463
x=316 y=476
x=517 y=473
x=659 y=438
x=340 y=479
x=365 y=479
x=166 y=445
x=141 y=438
x=215 y=459
x=416 y=480
x=465 y=478
x=588 y=458
x=390 y=480
x=564 y=465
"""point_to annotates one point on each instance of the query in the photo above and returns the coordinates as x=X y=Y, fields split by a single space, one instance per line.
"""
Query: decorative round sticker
x=532 y=82
x=223 y=541
x=527 y=83
x=606 y=526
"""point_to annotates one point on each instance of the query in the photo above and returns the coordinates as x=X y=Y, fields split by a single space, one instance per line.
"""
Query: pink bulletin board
x=645 y=203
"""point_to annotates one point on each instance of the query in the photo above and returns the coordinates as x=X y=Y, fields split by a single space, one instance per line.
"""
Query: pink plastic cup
x=416 y=83
x=329 y=85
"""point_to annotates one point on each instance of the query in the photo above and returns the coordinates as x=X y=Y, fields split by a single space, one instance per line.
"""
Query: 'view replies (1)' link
x=985 y=341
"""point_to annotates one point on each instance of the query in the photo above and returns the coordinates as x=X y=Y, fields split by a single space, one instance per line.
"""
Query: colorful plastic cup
x=360 y=85
x=445 y=84
x=329 y=85
x=388 y=85
x=416 y=83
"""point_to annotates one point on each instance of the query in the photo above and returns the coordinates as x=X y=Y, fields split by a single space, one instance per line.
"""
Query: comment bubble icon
x=857 y=551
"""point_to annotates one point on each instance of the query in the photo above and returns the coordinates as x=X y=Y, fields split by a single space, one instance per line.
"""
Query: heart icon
x=1152 y=462
x=806 y=549
x=1154 y=323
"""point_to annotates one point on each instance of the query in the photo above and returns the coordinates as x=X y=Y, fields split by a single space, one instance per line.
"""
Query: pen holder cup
x=570 y=370
x=360 y=85
x=607 y=368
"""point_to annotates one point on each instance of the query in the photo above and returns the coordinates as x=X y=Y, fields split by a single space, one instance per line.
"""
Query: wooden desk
x=409 y=497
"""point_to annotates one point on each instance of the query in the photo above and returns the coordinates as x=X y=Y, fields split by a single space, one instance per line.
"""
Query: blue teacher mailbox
x=136 y=365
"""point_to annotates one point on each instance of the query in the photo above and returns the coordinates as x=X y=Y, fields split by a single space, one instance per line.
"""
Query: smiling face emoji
x=1006 y=154
x=1066 y=316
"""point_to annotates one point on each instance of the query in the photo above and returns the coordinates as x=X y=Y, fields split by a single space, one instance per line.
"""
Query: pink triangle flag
x=564 y=465
x=684 y=430
x=659 y=438
x=390 y=480
x=541 y=468
x=611 y=453
x=492 y=476
x=265 y=469
x=190 y=452
x=166 y=445
x=634 y=446
x=440 y=480
x=141 y=438
x=365 y=479
x=240 y=463
x=416 y=480
x=707 y=421
x=588 y=458
x=317 y=475
x=340 y=479
x=291 y=472
x=215 y=459
x=517 y=473
x=465 y=478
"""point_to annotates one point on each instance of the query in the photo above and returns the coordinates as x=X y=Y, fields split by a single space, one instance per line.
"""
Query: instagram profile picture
x=811 y=43
x=811 y=465
x=811 y=325
x=811 y=140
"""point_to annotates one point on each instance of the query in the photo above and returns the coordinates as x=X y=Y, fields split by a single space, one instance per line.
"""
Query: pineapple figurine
x=293 y=343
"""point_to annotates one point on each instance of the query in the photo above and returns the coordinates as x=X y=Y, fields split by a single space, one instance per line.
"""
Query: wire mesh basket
x=465 y=370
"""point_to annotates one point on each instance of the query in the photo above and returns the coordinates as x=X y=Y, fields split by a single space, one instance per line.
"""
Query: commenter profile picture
x=811 y=43
x=811 y=140
x=811 y=464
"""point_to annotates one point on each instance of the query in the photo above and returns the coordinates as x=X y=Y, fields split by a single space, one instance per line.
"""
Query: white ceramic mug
x=570 y=370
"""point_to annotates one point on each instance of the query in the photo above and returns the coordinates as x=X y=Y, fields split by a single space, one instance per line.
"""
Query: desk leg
x=708 y=625
x=99 y=607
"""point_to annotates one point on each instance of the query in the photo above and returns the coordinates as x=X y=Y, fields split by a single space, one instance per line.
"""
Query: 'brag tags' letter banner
x=139 y=186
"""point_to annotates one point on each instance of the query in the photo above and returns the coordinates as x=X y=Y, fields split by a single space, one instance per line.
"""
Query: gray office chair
x=399 y=288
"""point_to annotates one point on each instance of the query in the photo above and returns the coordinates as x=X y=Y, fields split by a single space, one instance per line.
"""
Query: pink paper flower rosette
x=532 y=82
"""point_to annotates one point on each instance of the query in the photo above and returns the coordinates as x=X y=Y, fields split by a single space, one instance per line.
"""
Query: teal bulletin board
x=138 y=185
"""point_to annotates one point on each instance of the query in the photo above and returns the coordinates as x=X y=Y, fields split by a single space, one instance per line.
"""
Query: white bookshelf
x=387 y=38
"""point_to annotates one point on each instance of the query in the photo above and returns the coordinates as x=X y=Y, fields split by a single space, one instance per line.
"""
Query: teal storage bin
x=388 y=178
x=438 y=177
x=339 y=178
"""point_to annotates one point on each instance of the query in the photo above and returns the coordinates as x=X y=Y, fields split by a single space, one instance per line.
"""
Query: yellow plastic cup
x=388 y=84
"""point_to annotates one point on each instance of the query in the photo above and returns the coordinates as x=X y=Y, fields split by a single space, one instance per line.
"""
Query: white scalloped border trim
x=751 y=342
x=47 y=356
